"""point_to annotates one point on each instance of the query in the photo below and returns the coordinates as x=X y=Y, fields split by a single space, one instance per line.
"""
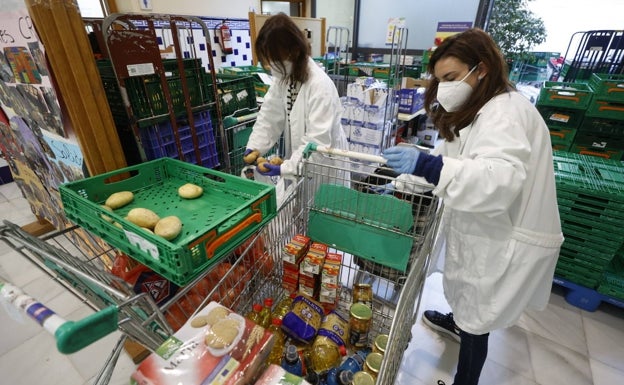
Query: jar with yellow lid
x=373 y=363
x=363 y=293
x=360 y=317
x=380 y=343
x=363 y=378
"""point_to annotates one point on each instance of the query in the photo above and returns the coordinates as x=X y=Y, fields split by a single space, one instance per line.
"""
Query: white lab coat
x=315 y=117
x=501 y=221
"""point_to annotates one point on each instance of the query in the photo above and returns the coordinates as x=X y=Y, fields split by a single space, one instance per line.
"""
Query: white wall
x=221 y=8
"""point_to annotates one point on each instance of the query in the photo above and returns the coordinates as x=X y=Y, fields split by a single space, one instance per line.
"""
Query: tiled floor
x=562 y=345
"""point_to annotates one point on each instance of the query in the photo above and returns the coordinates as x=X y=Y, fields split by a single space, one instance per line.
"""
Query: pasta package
x=304 y=319
x=215 y=346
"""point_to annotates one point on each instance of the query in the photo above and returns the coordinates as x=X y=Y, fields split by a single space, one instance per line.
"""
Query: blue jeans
x=473 y=351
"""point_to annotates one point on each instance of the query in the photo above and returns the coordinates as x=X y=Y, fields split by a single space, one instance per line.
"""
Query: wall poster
x=33 y=139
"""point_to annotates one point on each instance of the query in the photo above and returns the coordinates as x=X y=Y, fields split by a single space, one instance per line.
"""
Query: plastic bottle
x=283 y=306
x=275 y=357
x=291 y=362
x=337 y=377
x=354 y=362
x=254 y=314
x=264 y=319
x=325 y=354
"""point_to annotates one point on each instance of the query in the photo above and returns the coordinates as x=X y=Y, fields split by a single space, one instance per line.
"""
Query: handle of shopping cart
x=313 y=147
x=71 y=336
x=230 y=121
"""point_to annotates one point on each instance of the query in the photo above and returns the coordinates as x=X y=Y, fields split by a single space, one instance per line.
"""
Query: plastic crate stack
x=602 y=131
x=147 y=98
x=584 y=118
x=198 y=147
x=590 y=194
x=563 y=105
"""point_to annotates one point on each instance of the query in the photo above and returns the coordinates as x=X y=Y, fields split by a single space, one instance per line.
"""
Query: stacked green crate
x=612 y=283
x=590 y=194
x=563 y=105
x=602 y=131
x=147 y=98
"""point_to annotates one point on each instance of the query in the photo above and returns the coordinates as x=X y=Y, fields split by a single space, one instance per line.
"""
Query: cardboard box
x=312 y=264
x=411 y=100
x=190 y=357
x=296 y=249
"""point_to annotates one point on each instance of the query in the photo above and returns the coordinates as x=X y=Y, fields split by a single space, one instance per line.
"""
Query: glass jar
x=363 y=378
x=380 y=343
x=363 y=293
x=359 y=325
x=373 y=363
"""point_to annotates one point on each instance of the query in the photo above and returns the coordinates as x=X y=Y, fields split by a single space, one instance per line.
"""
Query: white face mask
x=278 y=72
x=452 y=95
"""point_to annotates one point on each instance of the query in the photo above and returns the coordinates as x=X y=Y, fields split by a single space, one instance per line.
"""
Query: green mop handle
x=70 y=336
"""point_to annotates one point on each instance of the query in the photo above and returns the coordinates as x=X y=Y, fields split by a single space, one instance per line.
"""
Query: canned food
x=373 y=363
x=363 y=292
x=379 y=345
x=359 y=325
x=363 y=378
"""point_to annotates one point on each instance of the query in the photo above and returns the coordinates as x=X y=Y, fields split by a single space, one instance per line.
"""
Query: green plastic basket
x=358 y=223
x=606 y=109
x=566 y=95
x=608 y=86
x=559 y=117
x=229 y=211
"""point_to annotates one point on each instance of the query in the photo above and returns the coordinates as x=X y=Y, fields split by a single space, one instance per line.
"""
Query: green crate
x=566 y=95
x=558 y=117
x=241 y=70
x=147 y=98
x=236 y=93
x=577 y=274
x=582 y=173
x=608 y=86
x=229 y=211
x=606 y=153
x=602 y=126
x=605 y=109
x=595 y=234
x=562 y=136
x=568 y=211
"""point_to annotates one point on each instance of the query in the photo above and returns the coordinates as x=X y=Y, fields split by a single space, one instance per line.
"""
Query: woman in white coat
x=495 y=174
x=302 y=103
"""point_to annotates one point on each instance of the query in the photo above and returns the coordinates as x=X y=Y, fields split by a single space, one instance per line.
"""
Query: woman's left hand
x=273 y=170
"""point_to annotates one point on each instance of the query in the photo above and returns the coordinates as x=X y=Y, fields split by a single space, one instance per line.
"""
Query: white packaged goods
x=216 y=346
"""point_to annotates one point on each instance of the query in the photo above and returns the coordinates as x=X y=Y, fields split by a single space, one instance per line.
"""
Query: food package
x=303 y=320
x=216 y=346
x=276 y=375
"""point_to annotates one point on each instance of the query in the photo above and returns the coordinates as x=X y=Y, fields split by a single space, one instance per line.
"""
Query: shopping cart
x=83 y=264
x=336 y=201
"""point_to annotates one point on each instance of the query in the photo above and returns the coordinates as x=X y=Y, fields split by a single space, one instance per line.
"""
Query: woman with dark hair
x=302 y=104
x=494 y=173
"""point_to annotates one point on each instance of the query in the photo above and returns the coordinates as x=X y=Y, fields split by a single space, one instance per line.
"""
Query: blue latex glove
x=247 y=151
x=274 y=170
x=384 y=189
x=402 y=158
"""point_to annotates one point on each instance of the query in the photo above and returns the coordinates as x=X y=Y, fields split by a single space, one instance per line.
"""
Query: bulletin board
x=315 y=26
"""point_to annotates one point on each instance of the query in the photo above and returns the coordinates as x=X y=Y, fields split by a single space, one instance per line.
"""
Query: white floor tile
x=557 y=324
x=605 y=374
x=554 y=364
x=605 y=338
x=36 y=361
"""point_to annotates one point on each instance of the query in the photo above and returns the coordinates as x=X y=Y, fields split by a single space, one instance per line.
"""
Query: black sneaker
x=441 y=322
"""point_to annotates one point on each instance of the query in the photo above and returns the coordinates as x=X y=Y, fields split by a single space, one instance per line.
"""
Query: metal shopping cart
x=385 y=239
x=331 y=203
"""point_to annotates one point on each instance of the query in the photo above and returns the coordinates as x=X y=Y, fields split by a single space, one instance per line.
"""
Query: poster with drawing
x=34 y=141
